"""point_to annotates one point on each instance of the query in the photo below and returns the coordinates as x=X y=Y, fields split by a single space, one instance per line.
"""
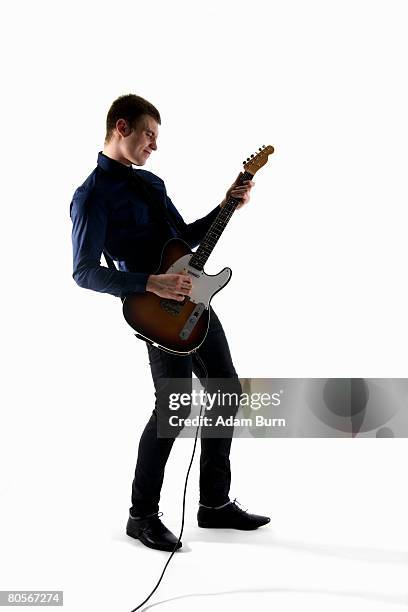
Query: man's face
x=139 y=144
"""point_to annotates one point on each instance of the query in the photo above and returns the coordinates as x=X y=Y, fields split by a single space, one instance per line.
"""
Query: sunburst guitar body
x=172 y=325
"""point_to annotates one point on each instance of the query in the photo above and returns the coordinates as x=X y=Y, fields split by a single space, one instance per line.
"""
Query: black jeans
x=215 y=472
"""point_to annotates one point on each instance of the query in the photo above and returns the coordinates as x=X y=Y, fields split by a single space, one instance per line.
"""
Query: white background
x=318 y=289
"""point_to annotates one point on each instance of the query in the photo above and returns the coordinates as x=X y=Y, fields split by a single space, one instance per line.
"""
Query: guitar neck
x=209 y=241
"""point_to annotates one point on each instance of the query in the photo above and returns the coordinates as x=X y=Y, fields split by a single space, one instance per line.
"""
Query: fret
x=212 y=236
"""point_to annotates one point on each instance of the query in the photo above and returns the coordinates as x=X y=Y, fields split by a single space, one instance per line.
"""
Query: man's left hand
x=240 y=192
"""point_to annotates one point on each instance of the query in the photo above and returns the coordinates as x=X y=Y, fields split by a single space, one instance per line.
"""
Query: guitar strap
x=159 y=209
x=109 y=260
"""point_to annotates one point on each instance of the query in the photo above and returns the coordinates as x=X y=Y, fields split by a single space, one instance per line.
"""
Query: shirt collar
x=113 y=166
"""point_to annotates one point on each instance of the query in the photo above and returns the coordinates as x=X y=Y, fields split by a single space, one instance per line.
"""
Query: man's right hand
x=173 y=286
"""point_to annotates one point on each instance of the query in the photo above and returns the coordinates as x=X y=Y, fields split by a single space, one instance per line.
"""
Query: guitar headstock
x=257 y=160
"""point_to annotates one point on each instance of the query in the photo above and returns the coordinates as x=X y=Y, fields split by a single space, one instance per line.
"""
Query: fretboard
x=209 y=241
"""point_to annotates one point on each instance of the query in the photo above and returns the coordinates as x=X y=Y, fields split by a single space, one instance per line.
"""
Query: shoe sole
x=209 y=526
x=149 y=545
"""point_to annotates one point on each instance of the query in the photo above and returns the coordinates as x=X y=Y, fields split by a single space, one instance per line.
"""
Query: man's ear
x=122 y=127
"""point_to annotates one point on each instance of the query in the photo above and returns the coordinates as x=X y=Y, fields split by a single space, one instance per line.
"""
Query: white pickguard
x=204 y=285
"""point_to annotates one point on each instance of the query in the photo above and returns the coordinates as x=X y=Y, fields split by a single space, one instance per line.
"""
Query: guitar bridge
x=192 y=321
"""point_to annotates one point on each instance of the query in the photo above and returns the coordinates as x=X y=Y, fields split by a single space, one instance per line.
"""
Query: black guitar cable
x=185 y=485
x=111 y=265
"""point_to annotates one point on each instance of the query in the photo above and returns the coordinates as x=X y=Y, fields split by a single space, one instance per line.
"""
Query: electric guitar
x=180 y=327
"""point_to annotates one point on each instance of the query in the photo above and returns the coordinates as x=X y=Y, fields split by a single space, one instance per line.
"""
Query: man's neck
x=114 y=153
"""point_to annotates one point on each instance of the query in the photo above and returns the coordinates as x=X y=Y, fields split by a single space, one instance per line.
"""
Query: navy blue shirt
x=112 y=211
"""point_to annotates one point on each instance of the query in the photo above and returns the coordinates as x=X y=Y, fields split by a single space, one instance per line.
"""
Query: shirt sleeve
x=89 y=221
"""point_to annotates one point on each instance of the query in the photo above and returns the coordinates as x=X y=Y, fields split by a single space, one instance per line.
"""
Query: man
x=126 y=214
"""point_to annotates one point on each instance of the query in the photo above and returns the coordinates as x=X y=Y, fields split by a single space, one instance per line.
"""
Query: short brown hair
x=131 y=108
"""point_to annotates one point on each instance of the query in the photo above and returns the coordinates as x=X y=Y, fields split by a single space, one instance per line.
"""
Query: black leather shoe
x=152 y=533
x=230 y=516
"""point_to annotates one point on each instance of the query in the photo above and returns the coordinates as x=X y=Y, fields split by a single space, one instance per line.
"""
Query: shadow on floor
x=374 y=597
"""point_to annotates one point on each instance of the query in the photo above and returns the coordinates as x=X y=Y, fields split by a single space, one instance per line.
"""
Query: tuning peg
x=260 y=149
